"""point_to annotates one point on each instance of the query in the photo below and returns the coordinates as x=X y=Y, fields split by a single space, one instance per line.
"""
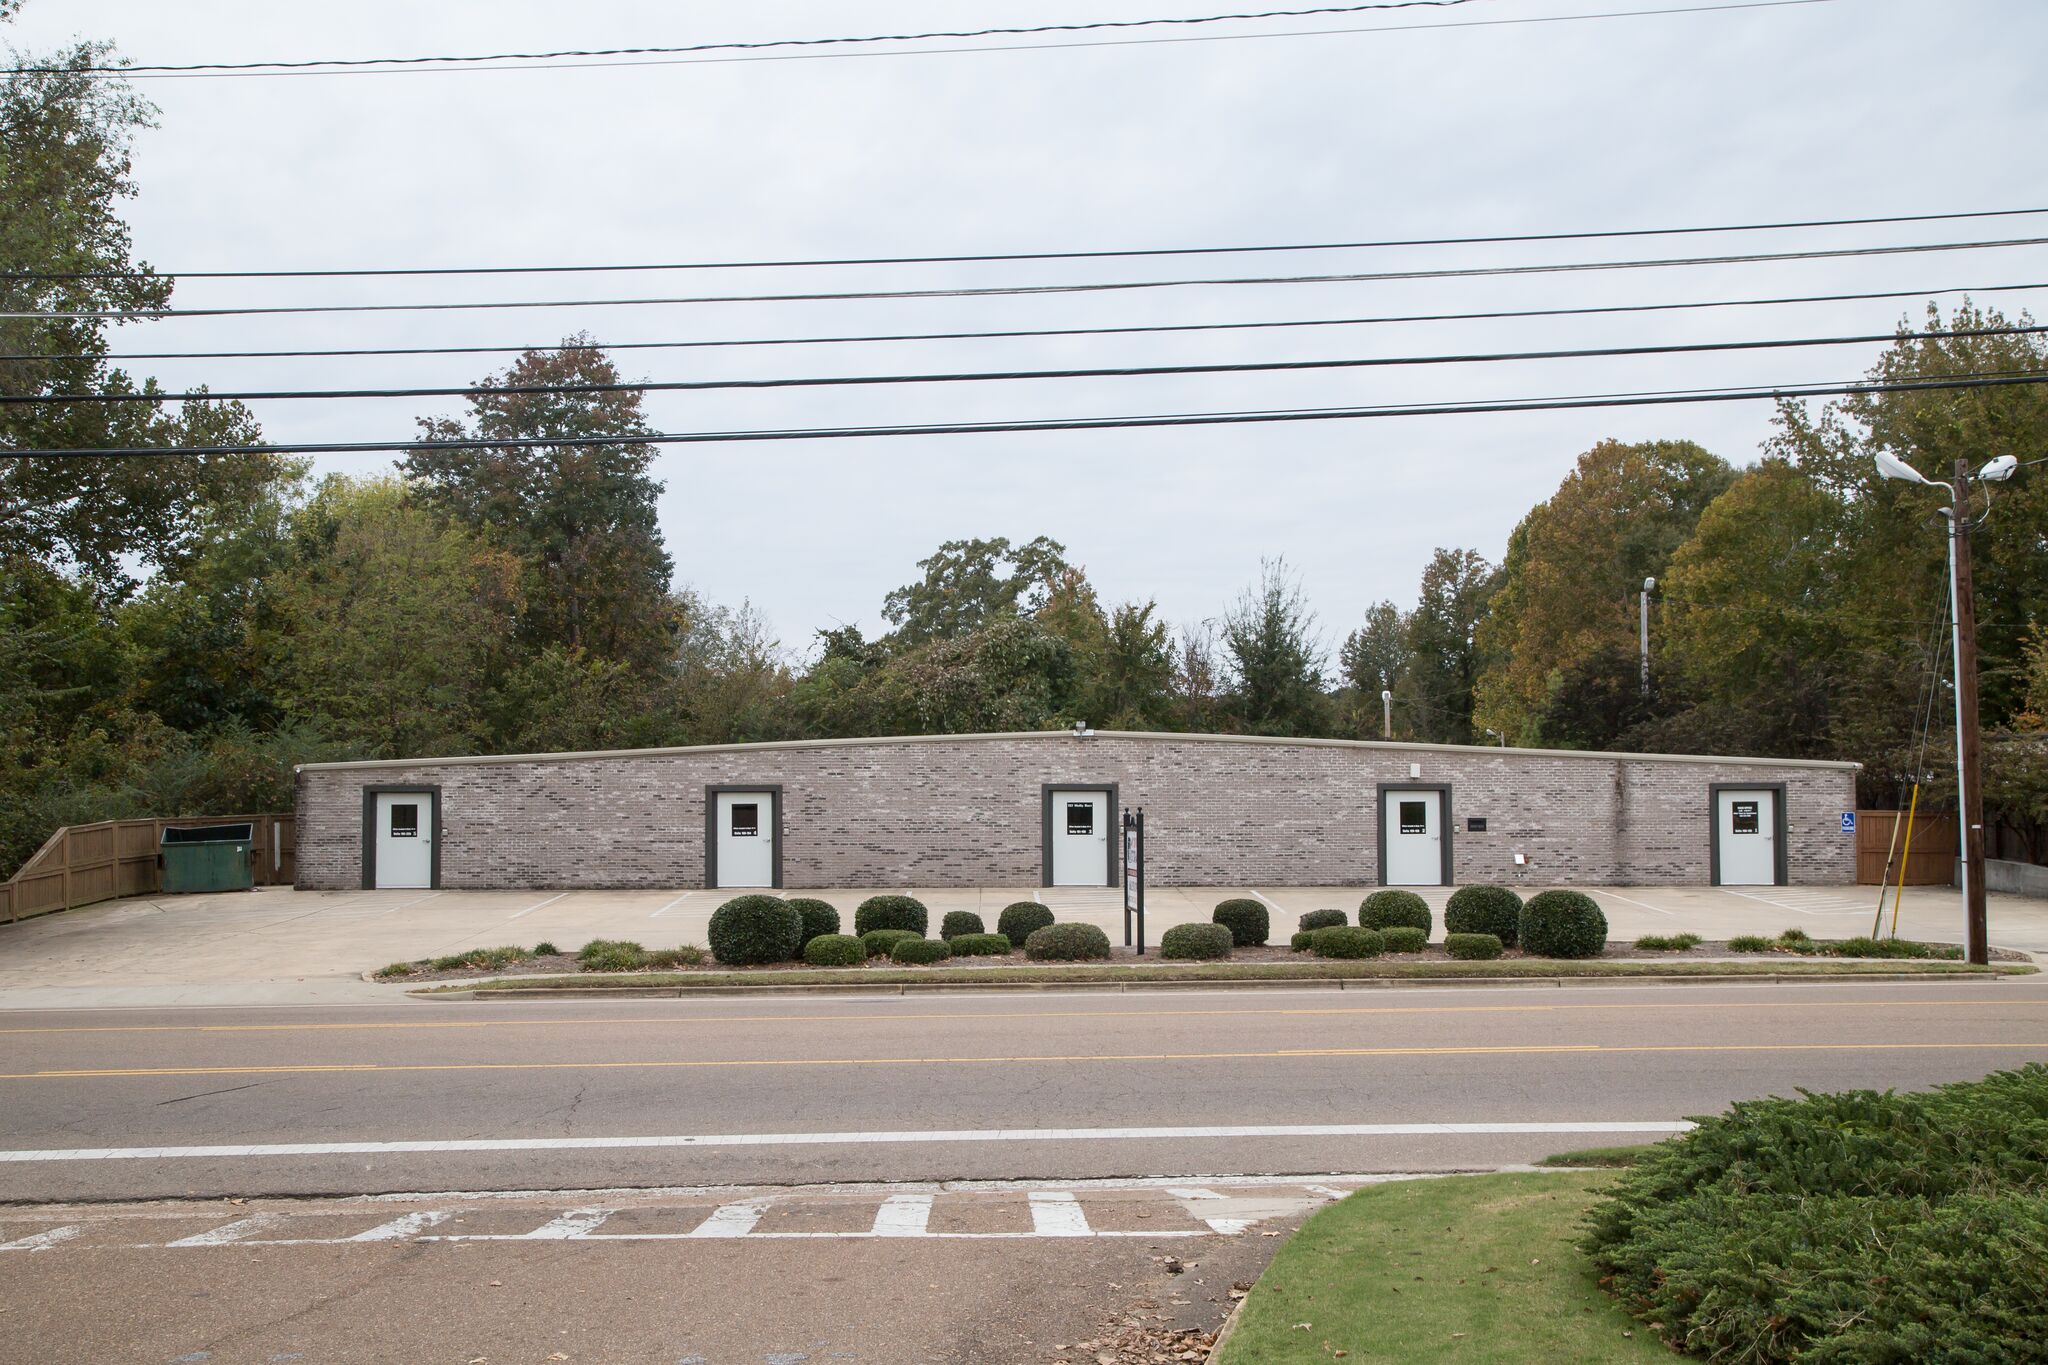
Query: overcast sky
x=1815 y=110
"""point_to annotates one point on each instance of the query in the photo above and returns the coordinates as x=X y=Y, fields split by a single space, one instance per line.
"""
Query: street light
x=1648 y=585
x=1386 y=714
x=1962 y=601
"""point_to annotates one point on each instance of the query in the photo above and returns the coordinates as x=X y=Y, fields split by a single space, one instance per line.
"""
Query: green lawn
x=1465 y=1268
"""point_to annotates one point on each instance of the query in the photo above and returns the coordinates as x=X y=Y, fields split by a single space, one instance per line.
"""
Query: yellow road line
x=741 y=1063
x=1128 y=1013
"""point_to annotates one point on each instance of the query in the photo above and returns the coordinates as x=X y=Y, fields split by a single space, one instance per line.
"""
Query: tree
x=732 y=685
x=1574 y=566
x=580 y=519
x=968 y=584
x=1275 y=663
x=1443 y=656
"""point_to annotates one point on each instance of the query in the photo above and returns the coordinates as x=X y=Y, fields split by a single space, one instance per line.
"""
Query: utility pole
x=1648 y=584
x=1969 y=782
x=1386 y=714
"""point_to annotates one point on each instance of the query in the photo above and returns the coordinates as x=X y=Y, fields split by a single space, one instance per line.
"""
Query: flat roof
x=1178 y=738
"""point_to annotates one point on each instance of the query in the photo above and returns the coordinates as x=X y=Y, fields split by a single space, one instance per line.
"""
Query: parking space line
x=239 y=1230
x=672 y=905
x=1626 y=900
x=542 y=906
x=402 y=905
x=41 y=1241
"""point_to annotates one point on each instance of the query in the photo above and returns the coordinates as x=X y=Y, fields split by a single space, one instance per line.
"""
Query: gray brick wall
x=966 y=811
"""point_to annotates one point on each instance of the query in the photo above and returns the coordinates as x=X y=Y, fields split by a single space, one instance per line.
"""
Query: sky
x=1432 y=122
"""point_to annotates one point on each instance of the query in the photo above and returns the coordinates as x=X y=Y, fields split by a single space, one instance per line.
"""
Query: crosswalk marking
x=904 y=1215
x=731 y=1220
x=399 y=1229
x=41 y=1241
x=574 y=1223
x=239 y=1230
x=1058 y=1214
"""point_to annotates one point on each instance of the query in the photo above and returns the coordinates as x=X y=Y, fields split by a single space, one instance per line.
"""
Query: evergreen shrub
x=1563 y=924
x=1495 y=910
x=1390 y=908
x=979 y=945
x=835 y=950
x=819 y=917
x=1472 y=947
x=1404 y=938
x=1345 y=941
x=878 y=942
x=891 y=912
x=1020 y=918
x=752 y=929
x=958 y=922
x=919 y=951
x=1066 y=943
x=1197 y=942
x=1324 y=919
x=1248 y=921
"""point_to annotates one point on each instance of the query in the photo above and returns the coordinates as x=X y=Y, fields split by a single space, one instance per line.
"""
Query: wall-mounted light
x=1081 y=730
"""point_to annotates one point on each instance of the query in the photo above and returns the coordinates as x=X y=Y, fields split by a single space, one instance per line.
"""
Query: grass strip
x=1218 y=971
x=1471 y=1269
x=1614 y=1158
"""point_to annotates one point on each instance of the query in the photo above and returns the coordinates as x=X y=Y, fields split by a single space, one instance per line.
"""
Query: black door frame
x=1777 y=790
x=1113 y=873
x=711 y=792
x=430 y=790
x=1443 y=791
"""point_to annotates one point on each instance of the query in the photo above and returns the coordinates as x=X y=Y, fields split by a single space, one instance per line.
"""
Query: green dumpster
x=207 y=858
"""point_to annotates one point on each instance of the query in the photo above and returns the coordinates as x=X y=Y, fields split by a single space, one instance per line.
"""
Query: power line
x=1465 y=272
x=457 y=65
x=1488 y=315
x=985 y=376
x=1640 y=399
x=989 y=257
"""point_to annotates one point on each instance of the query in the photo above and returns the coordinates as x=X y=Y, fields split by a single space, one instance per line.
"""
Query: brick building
x=1042 y=809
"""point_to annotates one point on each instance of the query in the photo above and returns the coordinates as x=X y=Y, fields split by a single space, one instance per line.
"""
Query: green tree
x=732 y=685
x=969 y=584
x=1275 y=663
x=580 y=519
x=1435 y=689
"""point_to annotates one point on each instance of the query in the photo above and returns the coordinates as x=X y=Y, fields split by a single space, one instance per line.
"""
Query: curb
x=1139 y=987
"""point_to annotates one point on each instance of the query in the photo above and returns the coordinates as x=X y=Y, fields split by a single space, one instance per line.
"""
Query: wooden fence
x=82 y=864
x=1933 y=861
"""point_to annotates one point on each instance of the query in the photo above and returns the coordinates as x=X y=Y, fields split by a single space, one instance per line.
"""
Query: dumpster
x=207 y=858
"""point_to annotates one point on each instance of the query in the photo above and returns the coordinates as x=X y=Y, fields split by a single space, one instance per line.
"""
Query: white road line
x=1626 y=900
x=405 y=1228
x=730 y=1220
x=672 y=905
x=41 y=1241
x=542 y=906
x=1149 y=1234
x=1270 y=904
x=1055 y=1213
x=904 y=1215
x=575 y=1224
x=1761 y=900
x=405 y=904
x=237 y=1231
x=585 y=1144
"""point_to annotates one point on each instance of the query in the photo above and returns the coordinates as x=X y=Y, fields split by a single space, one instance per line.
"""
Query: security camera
x=1999 y=470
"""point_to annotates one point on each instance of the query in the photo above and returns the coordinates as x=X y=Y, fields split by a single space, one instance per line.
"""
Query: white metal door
x=1748 y=823
x=746 y=838
x=405 y=839
x=1080 y=838
x=1415 y=838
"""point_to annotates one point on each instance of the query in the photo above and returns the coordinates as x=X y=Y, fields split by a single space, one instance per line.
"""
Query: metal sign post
x=1134 y=876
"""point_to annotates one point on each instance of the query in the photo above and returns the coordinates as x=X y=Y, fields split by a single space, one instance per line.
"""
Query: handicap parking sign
x=1848 y=822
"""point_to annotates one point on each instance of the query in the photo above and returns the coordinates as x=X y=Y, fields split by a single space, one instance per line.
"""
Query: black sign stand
x=1134 y=876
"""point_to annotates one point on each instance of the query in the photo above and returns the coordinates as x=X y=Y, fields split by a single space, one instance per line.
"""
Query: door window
x=1080 y=817
x=1414 y=817
x=746 y=819
x=1746 y=821
x=405 y=821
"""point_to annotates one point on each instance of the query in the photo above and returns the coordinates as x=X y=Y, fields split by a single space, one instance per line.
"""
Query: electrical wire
x=1488 y=315
x=987 y=376
x=1996 y=379
x=1464 y=272
x=989 y=257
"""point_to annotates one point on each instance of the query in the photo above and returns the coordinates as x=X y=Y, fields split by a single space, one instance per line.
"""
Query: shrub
x=685 y=956
x=599 y=946
x=1345 y=941
x=1324 y=919
x=497 y=958
x=454 y=962
x=1404 y=938
x=1197 y=942
x=979 y=945
x=1472 y=947
x=1492 y=910
x=1795 y=938
x=1668 y=943
x=891 y=912
x=1390 y=908
x=835 y=950
x=615 y=956
x=1750 y=943
x=395 y=970
x=819 y=917
x=1841 y=1228
x=750 y=929
x=1020 y=919
x=1563 y=924
x=958 y=922
x=878 y=942
x=1306 y=938
x=1066 y=943
x=1866 y=946
x=919 y=951
x=1248 y=922
x=545 y=949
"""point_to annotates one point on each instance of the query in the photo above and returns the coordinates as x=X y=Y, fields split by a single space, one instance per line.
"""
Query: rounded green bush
x=1563 y=924
x=1066 y=943
x=1404 y=938
x=755 y=929
x=1389 y=908
x=835 y=950
x=1248 y=921
x=1020 y=919
x=1492 y=910
x=919 y=951
x=979 y=945
x=1197 y=942
x=1323 y=919
x=1472 y=947
x=819 y=917
x=1344 y=941
x=1305 y=939
x=891 y=912
x=958 y=922
x=878 y=942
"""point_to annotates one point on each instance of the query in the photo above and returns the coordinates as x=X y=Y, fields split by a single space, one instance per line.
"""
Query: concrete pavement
x=282 y=946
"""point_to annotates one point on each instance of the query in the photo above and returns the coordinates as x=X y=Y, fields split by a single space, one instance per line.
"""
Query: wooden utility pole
x=1969 y=782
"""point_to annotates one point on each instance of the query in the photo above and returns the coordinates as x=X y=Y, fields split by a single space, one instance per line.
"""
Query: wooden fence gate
x=1933 y=861
x=81 y=864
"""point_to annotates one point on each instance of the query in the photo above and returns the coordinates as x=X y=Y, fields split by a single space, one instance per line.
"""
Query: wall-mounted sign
x=1080 y=817
x=1414 y=817
x=1475 y=824
x=1848 y=822
x=746 y=821
x=1745 y=815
